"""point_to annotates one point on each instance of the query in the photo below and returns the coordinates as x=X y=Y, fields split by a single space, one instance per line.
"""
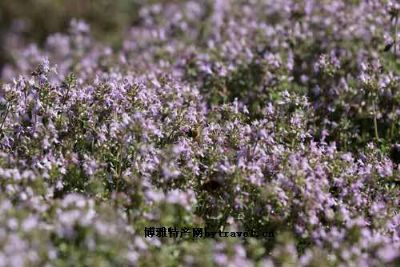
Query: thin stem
x=119 y=171
x=375 y=122
x=64 y=100
x=395 y=36
x=392 y=131
x=4 y=119
x=392 y=123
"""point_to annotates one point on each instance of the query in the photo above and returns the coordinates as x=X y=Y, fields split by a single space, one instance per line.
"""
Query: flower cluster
x=274 y=116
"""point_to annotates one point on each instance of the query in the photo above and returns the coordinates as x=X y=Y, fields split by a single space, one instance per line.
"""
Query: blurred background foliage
x=43 y=17
x=36 y=19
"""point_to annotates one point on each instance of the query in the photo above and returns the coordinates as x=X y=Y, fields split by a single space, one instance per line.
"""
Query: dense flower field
x=280 y=116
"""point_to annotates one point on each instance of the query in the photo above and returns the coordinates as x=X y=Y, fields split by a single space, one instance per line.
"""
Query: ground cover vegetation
x=269 y=116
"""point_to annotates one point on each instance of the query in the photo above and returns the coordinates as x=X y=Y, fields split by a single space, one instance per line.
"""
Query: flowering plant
x=235 y=116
